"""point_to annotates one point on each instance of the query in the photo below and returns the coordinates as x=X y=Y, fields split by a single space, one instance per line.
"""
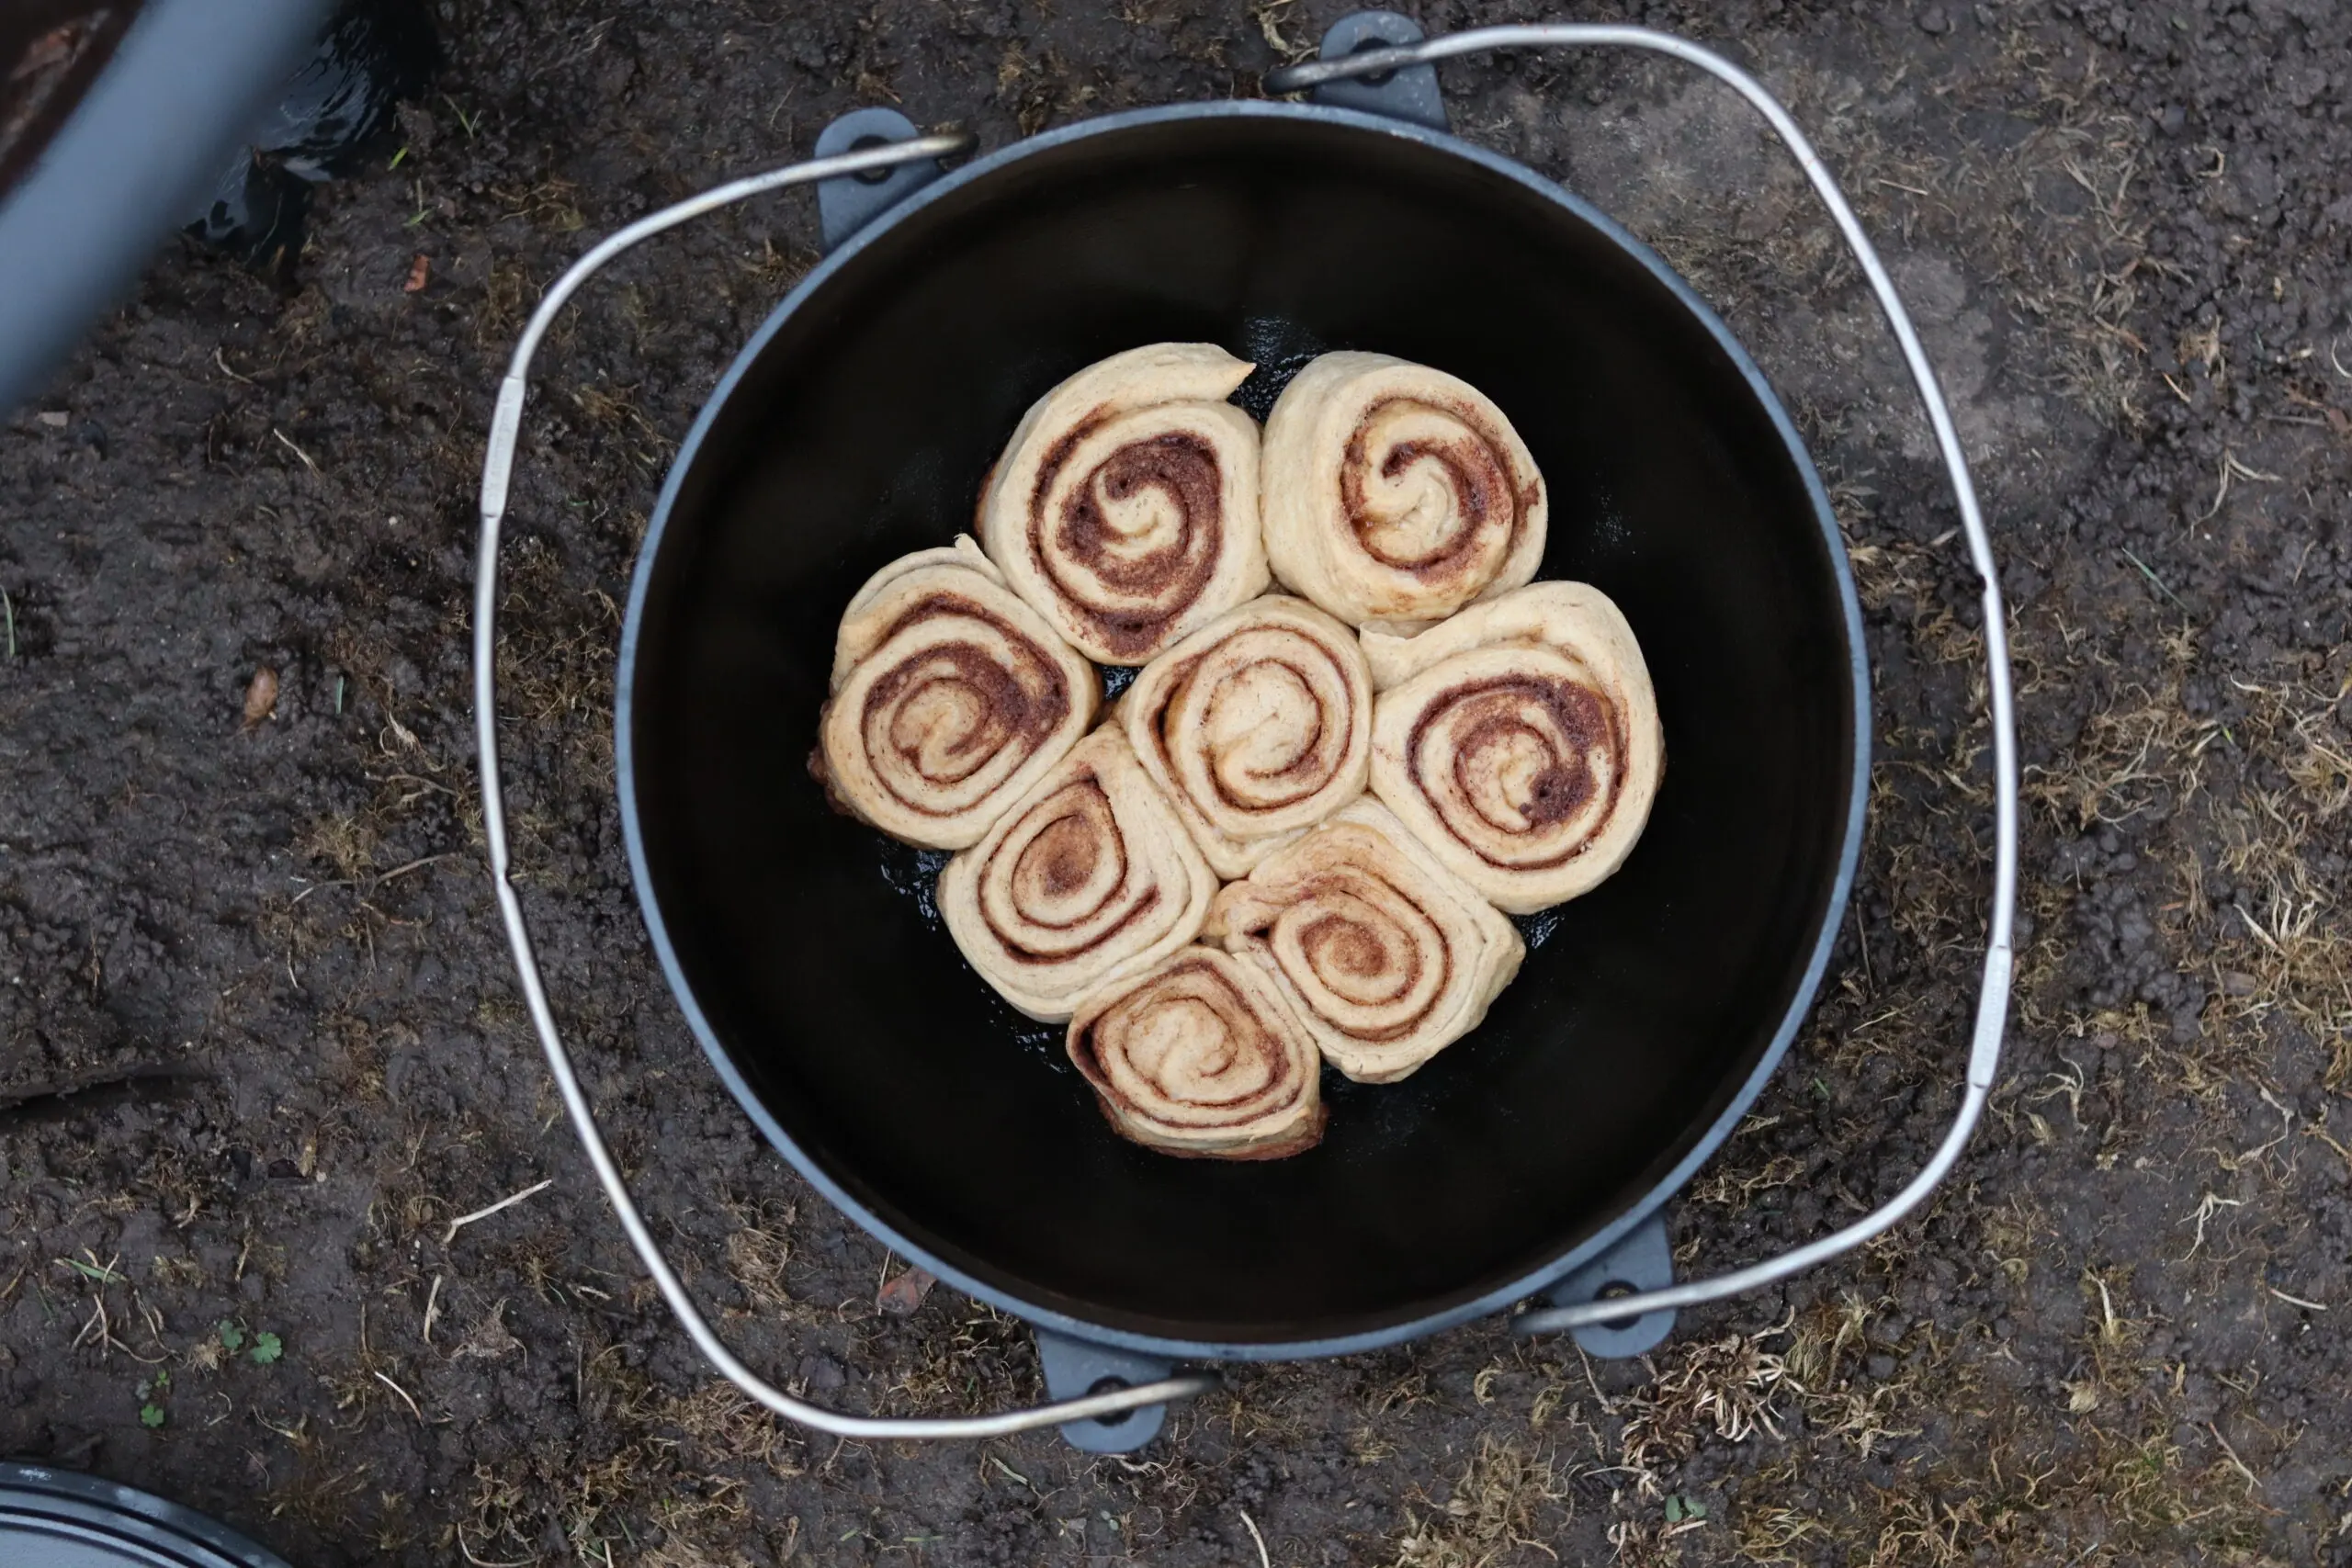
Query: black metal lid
x=56 y=1519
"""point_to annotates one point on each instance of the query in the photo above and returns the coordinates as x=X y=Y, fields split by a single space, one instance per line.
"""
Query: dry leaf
x=419 y=271
x=490 y=1339
x=903 y=1295
x=261 y=696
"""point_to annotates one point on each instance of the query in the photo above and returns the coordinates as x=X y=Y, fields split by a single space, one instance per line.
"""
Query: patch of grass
x=987 y=1362
x=1729 y=1388
x=2097 y=1479
x=1499 y=1510
x=758 y=1248
x=726 y=1427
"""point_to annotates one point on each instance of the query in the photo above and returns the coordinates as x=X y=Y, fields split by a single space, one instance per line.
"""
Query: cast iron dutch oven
x=1538 y=1152
x=60 y=1518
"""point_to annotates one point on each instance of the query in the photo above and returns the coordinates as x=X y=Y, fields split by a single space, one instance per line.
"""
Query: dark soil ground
x=2117 y=1337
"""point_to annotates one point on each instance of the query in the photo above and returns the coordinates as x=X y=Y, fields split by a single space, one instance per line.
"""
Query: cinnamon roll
x=1199 y=1055
x=1126 y=507
x=950 y=698
x=1395 y=494
x=1384 y=954
x=1520 y=742
x=1090 y=875
x=1258 y=726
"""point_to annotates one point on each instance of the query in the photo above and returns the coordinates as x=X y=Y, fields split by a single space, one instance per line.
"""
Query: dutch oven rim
x=1594 y=1245
x=137 y=1525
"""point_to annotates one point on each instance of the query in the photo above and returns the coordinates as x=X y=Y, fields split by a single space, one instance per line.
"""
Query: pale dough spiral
x=1199 y=1055
x=1520 y=742
x=1125 y=508
x=1395 y=494
x=1258 y=726
x=1088 y=876
x=950 y=698
x=1388 y=956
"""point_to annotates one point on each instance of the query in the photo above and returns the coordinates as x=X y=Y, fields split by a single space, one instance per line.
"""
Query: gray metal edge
x=122 y=173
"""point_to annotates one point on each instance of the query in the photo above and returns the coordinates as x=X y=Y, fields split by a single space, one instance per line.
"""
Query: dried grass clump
x=1494 y=1515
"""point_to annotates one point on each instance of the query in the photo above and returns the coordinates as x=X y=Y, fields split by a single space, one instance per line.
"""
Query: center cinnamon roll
x=1258 y=726
x=1126 y=507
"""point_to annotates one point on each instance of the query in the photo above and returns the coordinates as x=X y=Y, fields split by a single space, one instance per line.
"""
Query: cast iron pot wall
x=804 y=946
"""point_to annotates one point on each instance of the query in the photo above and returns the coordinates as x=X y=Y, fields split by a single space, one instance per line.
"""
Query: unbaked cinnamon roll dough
x=1520 y=742
x=1088 y=876
x=1386 y=956
x=1507 y=731
x=1199 y=1055
x=1395 y=494
x=950 y=698
x=1126 y=507
x=1257 y=727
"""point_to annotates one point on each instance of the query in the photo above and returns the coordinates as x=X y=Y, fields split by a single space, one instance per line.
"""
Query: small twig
x=8 y=608
x=506 y=1203
x=2230 y=468
x=2221 y=494
x=486 y=1563
x=2256 y=927
x=218 y=359
x=296 y=450
x=432 y=1307
x=378 y=880
x=2252 y=1484
x=404 y=1398
x=2296 y=1300
x=1263 y=1561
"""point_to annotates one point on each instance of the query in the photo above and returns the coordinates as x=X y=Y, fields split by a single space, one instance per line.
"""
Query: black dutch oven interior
x=857 y=427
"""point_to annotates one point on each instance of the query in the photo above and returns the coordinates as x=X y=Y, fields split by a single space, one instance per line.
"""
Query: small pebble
x=1934 y=21
x=2172 y=119
x=261 y=696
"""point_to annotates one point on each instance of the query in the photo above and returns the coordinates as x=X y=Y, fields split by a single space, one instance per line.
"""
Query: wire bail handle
x=498 y=467
x=1994 y=993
